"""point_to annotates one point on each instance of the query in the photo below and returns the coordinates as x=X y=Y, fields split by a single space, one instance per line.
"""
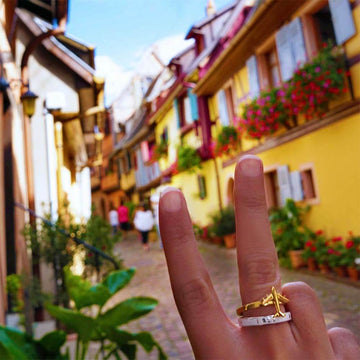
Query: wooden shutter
x=223 y=112
x=296 y=187
x=284 y=184
x=284 y=53
x=177 y=114
x=194 y=105
x=295 y=35
x=253 y=75
x=342 y=20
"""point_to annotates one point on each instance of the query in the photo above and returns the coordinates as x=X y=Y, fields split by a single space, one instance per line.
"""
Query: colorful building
x=252 y=56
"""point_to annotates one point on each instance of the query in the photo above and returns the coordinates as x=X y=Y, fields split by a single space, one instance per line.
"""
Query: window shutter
x=284 y=184
x=194 y=105
x=145 y=151
x=342 y=20
x=295 y=35
x=296 y=187
x=223 y=113
x=284 y=53
x=253 y=75
x=187 y=111
x=177 y=115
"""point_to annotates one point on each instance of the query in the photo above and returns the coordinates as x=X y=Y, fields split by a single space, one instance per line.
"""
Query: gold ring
x=274 y=298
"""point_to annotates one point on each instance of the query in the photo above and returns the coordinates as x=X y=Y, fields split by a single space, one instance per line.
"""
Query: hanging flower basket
x=188 y=159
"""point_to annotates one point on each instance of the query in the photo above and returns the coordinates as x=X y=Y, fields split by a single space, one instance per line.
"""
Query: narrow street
x=340 y=301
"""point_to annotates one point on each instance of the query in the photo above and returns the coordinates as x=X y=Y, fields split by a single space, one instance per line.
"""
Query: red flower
x=90 y=254
x=331 y=251
x=313 y=248
x=308 y=243
x=319 y=232
x=349 y=244
x=336 y=239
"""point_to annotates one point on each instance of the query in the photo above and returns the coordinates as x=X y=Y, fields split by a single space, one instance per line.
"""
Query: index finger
x=256 y=253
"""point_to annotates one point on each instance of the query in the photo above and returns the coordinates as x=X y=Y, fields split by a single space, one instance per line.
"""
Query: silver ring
x=264 y=320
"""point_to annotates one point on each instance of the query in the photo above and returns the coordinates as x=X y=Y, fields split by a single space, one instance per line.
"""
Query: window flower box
x=308 y=93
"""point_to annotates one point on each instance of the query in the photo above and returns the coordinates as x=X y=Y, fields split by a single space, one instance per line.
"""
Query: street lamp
x=28 y=100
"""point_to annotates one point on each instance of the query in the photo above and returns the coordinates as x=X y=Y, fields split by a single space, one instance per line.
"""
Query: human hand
x=211 y=333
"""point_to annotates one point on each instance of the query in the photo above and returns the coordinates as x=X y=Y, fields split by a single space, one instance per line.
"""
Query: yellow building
x=315 y=161
x=240 y=53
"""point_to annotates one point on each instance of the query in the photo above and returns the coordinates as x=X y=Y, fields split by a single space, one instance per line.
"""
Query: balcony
x=110 y=182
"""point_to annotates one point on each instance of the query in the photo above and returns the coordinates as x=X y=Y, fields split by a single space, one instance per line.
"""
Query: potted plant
x=336 y=258
x=188 y=159
x=289 y=233
x=322 y=254
x=352 y=256
x=16 y=305
x=309 y=250
x=224 y=225
x=227 y=141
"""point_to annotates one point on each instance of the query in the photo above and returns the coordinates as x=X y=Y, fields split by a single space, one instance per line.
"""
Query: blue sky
x=122 y=29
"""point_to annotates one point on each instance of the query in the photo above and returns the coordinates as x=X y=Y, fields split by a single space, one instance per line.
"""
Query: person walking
x=123 y=217
x=144 y=222
x=113 y=220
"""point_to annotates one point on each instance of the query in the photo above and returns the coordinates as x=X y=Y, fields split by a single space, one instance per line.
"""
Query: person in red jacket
x=123 y=214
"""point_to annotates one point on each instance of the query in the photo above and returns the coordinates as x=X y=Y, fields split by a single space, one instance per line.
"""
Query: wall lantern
x=28 y=100
x=98 y=134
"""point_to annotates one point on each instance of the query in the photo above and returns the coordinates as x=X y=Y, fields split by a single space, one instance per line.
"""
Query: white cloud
x=116 y=79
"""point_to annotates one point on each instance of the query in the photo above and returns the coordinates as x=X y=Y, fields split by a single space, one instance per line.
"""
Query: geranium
x=351 y=250
x=308 y=92
x=159 y=151
x=227 y=141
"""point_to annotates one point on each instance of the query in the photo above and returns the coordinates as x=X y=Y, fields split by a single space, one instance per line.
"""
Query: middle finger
x=256 y=253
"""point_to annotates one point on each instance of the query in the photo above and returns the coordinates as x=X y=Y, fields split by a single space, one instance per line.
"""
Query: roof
x=208 y=19
x=263 y=20
x=38 y=26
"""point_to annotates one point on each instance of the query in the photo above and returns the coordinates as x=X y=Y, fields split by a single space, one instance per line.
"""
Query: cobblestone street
x=340 y=300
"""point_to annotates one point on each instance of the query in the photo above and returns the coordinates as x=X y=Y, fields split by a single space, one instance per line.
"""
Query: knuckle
x=260 y=271
x=301 y=291
x=195 y=294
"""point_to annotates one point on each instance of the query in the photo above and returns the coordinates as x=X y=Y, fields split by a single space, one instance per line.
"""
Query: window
x=309 y=185
x=273 y=69
x=202 y=186
x=184 y=111
x=324 y=26
x=271 y=189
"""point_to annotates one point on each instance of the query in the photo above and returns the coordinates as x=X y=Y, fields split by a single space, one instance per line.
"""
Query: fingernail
x=172 y=200
x=250 y=165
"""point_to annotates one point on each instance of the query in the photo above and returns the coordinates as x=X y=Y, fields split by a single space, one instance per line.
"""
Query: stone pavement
x=340 y=301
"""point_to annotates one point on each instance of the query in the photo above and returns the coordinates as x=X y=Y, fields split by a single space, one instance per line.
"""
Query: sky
x=122 y=30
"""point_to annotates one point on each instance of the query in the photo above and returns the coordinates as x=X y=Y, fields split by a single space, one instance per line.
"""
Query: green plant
x=160 y=150
x=13 y=286
x=351 y=250
x=17 y=345
x=131 y=206
x=227 y=141
x=98 y=232
x=223 y=221
x=198 y=231
x=310 y=245
x=188 y=159
x=104 y=327
x=287 y=227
